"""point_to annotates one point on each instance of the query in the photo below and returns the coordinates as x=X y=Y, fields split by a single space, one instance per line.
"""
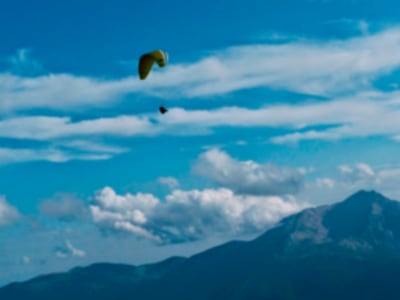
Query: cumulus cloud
x=65 y=207
x=247 y=177
x=128 y=213
x=8 y=213
x=188 y=215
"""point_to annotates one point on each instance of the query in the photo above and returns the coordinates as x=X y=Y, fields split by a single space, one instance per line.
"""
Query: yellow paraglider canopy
x=147 y=60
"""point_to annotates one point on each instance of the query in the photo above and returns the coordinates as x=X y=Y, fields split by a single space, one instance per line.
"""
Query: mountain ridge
x=323 y=252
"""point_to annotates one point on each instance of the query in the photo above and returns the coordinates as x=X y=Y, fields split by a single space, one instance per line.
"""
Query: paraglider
x=147 y=60
x=163 y=110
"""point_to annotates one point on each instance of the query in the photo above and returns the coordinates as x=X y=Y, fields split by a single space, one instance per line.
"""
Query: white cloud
x=307 y=66
x=74 y=251
x=22 y=63
x=25 y=260
x=170 y=182
x=362 y=115
x=124 y=213
x=241 y=143
x=69 y=250
x=62 y=206
x=60 y=91
x=188 y=215
x=10 y=155
x=107 y=198
x=44 y=128
x=361 y=26
x=8 y=213
x=247 y=177
x=330 y=68
x=371 y=113
x=325 y=182
x=58 y=150
x=136 y=230
x=324 y=67
x=91 y=147
x=60 y=254
x=361 y=172
x=351 y=179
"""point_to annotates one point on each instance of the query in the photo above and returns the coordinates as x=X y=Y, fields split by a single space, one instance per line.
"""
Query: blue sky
x=274 y=106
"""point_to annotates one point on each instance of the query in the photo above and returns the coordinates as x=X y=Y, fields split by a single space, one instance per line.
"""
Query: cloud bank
x=188 y=215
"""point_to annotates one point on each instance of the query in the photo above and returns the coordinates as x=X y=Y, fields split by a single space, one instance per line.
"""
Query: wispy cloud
x=23 y=64
x=306 y=66
x=8 y=213
x=361 y=115
x=349 y=179
x=91 y=146
x=330 y=68
x=359 y=25
x=25 y=260
x=12 y=155
x=64 y=207
x=68 y=250
x=170 y=182
x=60 y=91
x=45 y=128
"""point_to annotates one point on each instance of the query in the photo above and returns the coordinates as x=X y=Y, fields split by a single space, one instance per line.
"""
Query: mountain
x=348 y=250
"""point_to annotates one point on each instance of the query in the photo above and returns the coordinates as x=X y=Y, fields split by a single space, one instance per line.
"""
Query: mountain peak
x=328 y=252
x=364 y=221
x=367 y=196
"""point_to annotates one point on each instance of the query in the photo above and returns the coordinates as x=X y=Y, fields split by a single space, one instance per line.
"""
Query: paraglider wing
x=147 y=60
x=145 y=64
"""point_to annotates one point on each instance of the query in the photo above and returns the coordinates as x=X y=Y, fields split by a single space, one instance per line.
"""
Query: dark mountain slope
x=349 y=250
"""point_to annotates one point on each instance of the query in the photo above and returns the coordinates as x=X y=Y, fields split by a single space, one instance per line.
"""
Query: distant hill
x=348 y=250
